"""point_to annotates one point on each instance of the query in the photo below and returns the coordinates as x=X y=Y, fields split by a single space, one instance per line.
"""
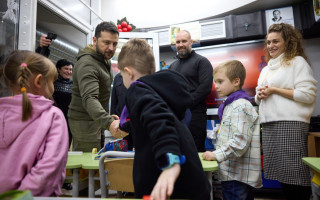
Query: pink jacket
x=33 y=153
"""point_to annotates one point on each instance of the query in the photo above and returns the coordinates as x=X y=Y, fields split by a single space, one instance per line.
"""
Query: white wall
x=312 y=50
x=152 y=13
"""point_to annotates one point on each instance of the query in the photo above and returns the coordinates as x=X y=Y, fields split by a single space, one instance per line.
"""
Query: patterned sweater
x=62 y=94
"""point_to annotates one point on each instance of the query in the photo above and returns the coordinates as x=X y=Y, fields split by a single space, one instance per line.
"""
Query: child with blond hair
x=238 y=138
x=166 y=162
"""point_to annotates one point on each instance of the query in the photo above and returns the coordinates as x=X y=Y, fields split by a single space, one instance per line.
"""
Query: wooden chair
x=116 y=173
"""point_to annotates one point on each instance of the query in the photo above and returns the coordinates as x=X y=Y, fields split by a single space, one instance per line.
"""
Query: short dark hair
x=62 y=63
x=276 y=11
x=106 y=26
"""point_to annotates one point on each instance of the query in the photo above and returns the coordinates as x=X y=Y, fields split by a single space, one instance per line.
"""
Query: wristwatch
x=166 y=160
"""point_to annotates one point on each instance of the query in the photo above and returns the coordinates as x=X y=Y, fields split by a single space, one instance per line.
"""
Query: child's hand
x=208 y=155
x=115 y=117
x=114 y=126
x=165 y=184
x=115 y=130
x=121 y=134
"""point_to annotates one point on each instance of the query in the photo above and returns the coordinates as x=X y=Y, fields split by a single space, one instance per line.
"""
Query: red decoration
x=129 y=27
x=124 y=26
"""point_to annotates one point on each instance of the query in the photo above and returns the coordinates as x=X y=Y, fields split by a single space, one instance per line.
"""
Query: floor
x=268 y=194
x=259 y=195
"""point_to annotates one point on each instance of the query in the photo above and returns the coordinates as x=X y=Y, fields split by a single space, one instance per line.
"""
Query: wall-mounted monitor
x=124 y=37
x=252 y=56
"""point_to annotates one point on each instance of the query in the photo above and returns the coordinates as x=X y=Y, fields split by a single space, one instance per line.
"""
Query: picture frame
x=193 y=27
x=279 y=15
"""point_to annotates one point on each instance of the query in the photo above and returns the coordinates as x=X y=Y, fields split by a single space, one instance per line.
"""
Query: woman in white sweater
x=286 y=95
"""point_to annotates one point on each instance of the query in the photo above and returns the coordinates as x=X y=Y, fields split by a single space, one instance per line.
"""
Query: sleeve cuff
x=219 y=155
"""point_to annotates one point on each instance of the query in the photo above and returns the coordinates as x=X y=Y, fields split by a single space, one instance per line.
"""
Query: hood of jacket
x=173 y=89
x=88 y=50
x=11 y=124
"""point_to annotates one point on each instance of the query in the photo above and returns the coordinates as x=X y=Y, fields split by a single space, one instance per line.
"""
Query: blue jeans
x=236 y=190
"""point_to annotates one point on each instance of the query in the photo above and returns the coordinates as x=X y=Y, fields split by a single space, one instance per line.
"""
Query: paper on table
x=75 y=152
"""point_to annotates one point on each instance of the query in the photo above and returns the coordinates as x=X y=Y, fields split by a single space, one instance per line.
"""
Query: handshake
x=115 y=128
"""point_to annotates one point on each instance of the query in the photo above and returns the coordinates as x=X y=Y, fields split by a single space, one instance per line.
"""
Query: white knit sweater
x=297 y=76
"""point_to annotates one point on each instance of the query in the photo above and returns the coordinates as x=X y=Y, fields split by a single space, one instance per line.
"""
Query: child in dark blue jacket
x=166 y=162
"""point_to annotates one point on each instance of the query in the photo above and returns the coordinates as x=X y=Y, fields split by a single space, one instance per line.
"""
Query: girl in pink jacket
x=33 y=133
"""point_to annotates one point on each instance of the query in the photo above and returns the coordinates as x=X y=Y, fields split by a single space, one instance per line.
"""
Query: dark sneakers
x=67 y=186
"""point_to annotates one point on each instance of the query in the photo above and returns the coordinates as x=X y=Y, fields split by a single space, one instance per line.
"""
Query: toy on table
x=113 y=145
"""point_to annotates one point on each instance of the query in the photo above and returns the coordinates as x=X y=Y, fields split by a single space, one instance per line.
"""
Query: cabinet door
x=248 y=25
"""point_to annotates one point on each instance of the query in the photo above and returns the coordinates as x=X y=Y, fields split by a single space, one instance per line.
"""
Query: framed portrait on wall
x=279 y=15
x=192 y=27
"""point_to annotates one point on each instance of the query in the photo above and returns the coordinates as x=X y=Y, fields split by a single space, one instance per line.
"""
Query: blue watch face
x=163 y=161
x=168 y=159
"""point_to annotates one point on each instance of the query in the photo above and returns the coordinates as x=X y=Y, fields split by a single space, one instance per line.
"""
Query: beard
x=185 y=53
x=99 y=51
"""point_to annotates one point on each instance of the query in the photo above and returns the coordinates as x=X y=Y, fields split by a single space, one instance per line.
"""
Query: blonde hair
x=293 y=42
x=233 y=69
x=19 y=70
x=138 y=54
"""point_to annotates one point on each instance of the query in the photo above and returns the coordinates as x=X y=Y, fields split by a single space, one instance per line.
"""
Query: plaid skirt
x=284 y=144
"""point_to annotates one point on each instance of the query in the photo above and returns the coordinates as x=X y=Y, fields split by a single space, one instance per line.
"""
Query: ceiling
x=261 y=5
x=49 y=21
x=144 y=14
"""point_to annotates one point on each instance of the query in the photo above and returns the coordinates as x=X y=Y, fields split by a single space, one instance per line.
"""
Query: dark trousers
x=232 y=190
x=69 y=131
x=296 y=192
x=198 y=129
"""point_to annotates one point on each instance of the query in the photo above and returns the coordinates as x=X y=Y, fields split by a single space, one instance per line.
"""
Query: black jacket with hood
x=156 y=111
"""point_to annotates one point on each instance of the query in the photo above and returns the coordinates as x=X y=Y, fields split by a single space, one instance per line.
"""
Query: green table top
x=84 y=161
x=312 y=162
x=87 y=161
x=73 y=162
x=208 y=166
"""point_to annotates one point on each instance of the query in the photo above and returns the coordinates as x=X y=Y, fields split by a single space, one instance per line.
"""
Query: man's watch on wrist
x=166 y=160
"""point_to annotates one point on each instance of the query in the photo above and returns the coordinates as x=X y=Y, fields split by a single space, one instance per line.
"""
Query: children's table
x=314 y=164
x=208 y=168
x=83 y=161
x=77 y=161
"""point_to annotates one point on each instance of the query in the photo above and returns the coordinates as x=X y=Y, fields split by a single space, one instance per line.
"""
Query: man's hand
x=116 y=117
x=208 y=155
x=165 y=183
x=44 y=41
x=115 y=130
